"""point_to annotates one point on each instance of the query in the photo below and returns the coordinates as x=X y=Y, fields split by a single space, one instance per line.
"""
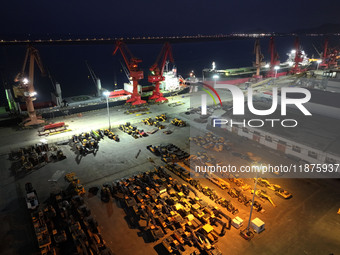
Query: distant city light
x=267 y=66
x=32 y=94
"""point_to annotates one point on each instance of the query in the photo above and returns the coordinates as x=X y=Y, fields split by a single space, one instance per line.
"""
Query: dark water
x=66 y=64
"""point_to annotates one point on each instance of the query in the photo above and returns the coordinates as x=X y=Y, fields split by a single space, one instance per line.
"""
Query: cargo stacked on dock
x=162 y=207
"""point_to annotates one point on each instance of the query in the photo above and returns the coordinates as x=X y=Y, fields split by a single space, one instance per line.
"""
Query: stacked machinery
x=135 y=73
x=25 y=89
x=157 y=70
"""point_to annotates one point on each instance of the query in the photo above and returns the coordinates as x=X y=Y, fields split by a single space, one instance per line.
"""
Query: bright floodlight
x=267 y=66
x=215 y=76
x=106 y=93
x=319 y=61
x=276 y=67
x=32 y=94
x=213 y=65
x=293 y=51
x=25 y=81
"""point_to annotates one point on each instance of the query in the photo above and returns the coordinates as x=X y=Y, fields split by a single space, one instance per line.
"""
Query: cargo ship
x=236 y=76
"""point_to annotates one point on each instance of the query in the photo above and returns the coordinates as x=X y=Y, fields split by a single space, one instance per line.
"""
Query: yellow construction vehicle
x=178 y=122
x=148 y=121
x=208 y=231
x=71 y=177
x=161 y=117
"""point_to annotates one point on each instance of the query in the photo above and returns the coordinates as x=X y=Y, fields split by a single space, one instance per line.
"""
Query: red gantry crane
x=25 y=89
x=298 y=58
x=259 y=58
x=274 y=58
x=157 y=69
x=329 y=57
x=135 y=73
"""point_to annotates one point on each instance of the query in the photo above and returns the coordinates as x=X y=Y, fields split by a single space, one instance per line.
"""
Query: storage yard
x=130 y=192
x=161 y=133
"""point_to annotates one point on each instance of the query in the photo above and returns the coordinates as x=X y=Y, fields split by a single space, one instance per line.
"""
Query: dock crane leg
x=157 y=95
x=157 y=70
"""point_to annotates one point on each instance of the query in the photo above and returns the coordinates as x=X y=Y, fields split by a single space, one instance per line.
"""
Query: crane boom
x=298 y=58
x=329 y=56
x=157 y=70
x=26 y=87
x=135 y=73
x=274 y=57
x=259 y=58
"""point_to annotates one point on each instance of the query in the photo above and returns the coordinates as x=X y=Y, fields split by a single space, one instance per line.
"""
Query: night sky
x=72 y=19
x=137 y=17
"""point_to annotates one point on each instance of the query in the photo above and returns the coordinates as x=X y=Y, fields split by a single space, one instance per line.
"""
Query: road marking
x=56 y=176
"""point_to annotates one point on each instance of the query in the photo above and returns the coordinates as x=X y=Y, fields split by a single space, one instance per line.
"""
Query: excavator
x=25 y=89
x=157 y=70
x=135 y=73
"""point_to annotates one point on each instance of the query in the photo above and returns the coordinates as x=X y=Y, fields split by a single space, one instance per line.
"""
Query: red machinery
x=25 y=89
x=298 y=58
x=135 y=74
x=274 y=58
x=329 y=57
x=54 y=125
x=157 y=70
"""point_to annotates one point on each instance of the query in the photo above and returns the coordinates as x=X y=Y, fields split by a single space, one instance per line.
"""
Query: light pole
x=252 y=203
x=107 y=94
x=276 y=68
x=318 y=61
x=215 y=77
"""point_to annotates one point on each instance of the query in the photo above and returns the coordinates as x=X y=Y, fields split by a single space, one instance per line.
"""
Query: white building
x=316 y=138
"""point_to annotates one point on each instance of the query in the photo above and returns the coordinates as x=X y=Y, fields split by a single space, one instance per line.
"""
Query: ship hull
x=238 y=76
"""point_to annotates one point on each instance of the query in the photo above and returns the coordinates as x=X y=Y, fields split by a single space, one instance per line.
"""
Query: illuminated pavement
x=305 y=224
